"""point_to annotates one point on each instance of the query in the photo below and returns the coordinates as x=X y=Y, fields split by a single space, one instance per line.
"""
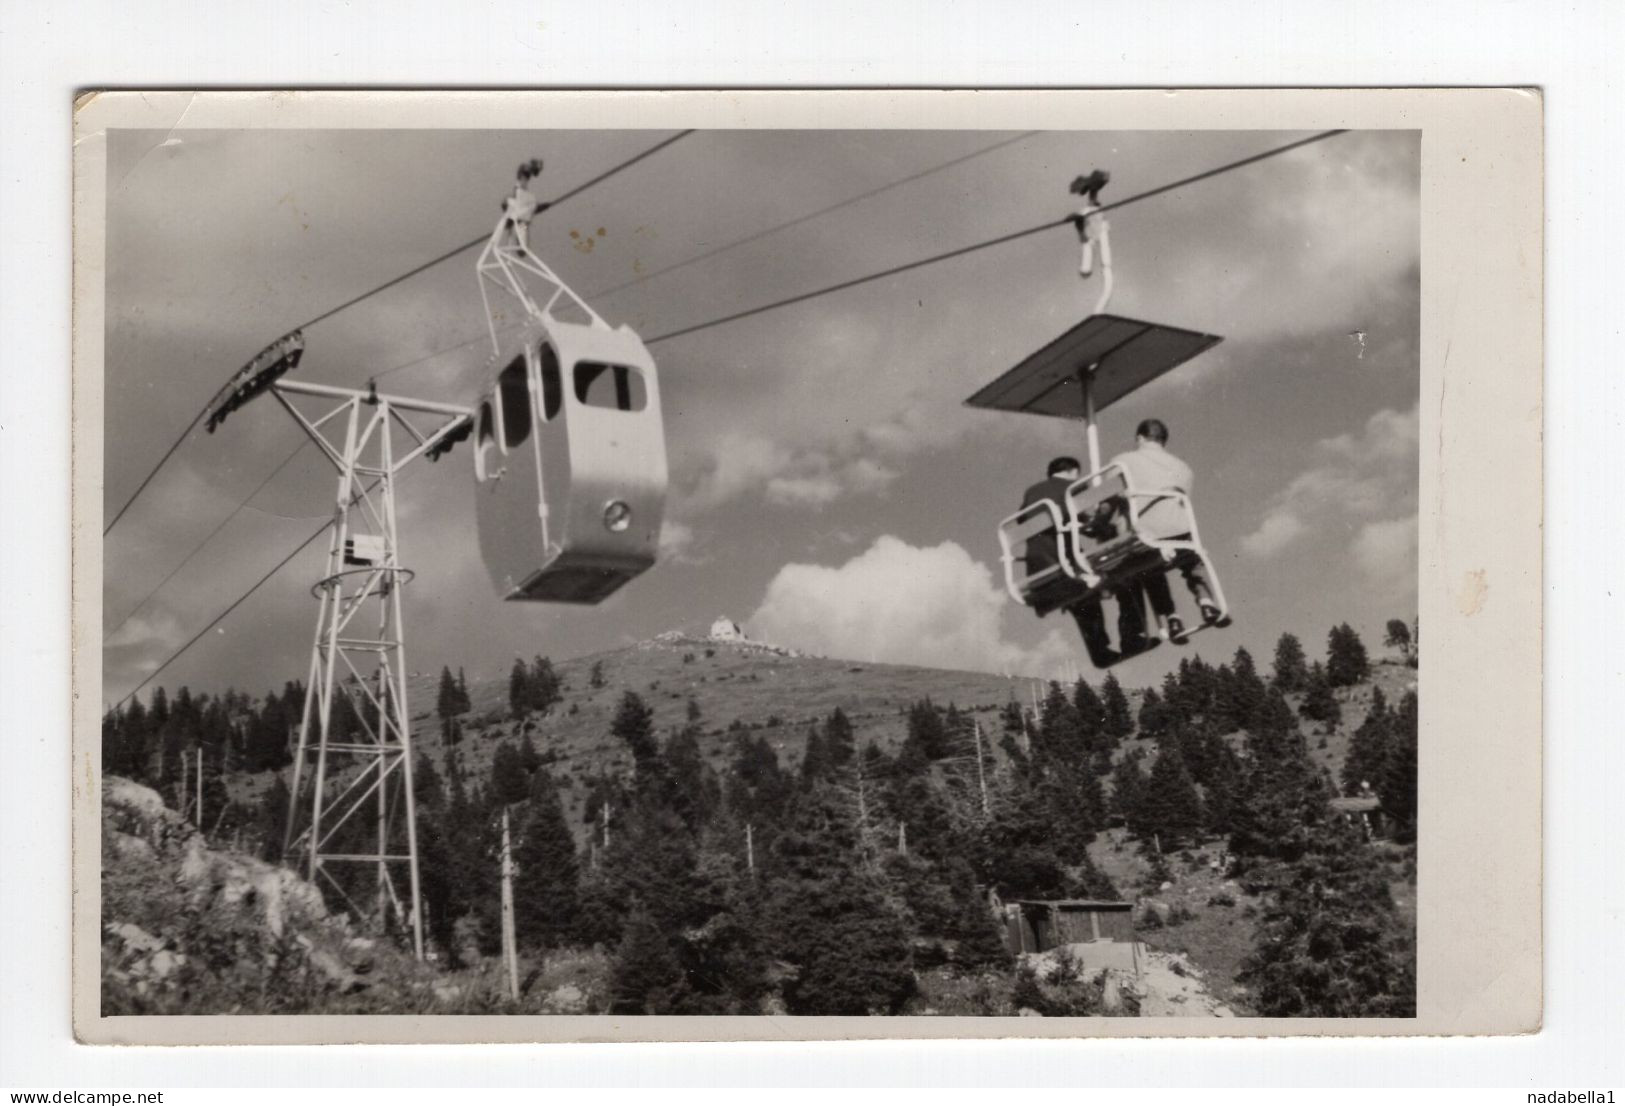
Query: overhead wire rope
x=240 y=600
x=198 y=548
x=814 y=294
x=800 y=219
x=974 y=247
x=737 y=243
x=388 y=284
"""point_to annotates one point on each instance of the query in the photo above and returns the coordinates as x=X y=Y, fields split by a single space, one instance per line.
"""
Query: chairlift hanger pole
x=1089 y=187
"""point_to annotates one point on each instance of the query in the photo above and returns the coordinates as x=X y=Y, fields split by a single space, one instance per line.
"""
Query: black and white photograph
x=906 y=572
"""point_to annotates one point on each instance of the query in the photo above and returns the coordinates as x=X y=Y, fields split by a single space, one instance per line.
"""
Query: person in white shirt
x=1151 y=468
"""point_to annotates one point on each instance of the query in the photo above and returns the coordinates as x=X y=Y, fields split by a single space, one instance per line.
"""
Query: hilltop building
x=726 y=629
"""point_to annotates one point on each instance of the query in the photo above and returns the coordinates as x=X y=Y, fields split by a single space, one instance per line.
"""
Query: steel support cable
x=198 y=548
x=974 y=247
x=241 y=599
x=800 y=219
x=388 y=284
x=827 y=290
x=737 y=243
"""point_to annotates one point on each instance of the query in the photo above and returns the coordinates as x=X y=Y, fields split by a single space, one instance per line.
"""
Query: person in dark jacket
x=1041 y=553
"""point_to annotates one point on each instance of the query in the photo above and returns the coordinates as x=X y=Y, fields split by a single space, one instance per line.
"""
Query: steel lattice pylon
x=359 y=808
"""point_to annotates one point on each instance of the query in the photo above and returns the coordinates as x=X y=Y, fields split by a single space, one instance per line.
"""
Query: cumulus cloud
x=903 y=604
x=1367 y=479
x=1274 y=534
x=745 y=464
x=809 y=491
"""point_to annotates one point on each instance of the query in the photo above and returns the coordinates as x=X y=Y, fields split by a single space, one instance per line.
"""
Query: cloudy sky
x=829 y=490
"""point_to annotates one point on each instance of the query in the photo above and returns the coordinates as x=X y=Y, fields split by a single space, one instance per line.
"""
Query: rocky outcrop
x=190 y=928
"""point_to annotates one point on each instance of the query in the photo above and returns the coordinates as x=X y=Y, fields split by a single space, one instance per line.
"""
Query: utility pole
x=200 y=787
x=510 y=950
x=750 y=849
x=981 y=775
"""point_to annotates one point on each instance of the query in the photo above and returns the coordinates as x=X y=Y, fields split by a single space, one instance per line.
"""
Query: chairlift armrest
x=1030 y=521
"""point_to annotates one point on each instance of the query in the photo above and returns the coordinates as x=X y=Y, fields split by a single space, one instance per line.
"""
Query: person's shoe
x=1211 y=615
x=1176 y=630
x=1137 y=645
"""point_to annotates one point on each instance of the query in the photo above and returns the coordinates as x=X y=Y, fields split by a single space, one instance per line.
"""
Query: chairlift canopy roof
x=1127 y=354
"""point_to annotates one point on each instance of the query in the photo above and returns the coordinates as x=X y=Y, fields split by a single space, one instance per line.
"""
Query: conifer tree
x=519 y=693
x=815 y=763
x=1397 y=788
x=725 y=960
x=1154 y=714
x=545 y=686
x=757 y=788
x=1118 y=721
x=271 y=819
x=1283 y=797
x=545 y=900
x=1399 y=637
x=1169 y=806
x=427 y=787
x=446 y=698
x=1319 y=703
x=1059 y=736
x=695 y=793
x=1330 y=944
x=1128 y=788
x=1244 y=690
x=830 y=916
x=1346 y=660
x=1089 y=713
x=1367 y=756
x=927 y=733
x=1014 y=720
x=529 y=759
x=1291 y=666
x=839 y=741
x=451 y=732
x=1220 y=790
x=634 y=724
x=464 y=703
x=1077 y=806
x=510 y=783
x=646 y=978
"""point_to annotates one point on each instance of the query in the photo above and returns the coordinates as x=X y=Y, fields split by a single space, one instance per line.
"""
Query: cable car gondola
x=1101 y=549
x=569 y=446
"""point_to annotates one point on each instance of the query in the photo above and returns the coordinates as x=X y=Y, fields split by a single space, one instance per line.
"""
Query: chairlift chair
x=1082 y=372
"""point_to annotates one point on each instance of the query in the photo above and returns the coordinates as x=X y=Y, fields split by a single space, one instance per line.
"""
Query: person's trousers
x=1091 y=620
x=1190 y=567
